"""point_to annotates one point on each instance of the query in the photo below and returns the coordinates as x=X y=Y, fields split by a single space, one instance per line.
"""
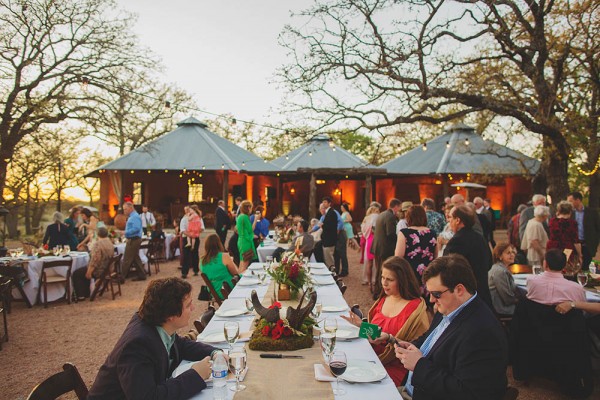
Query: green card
x=368 y=330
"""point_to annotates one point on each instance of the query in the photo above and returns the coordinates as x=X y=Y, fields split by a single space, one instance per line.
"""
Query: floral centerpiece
x=282 y=328
x=289 y=275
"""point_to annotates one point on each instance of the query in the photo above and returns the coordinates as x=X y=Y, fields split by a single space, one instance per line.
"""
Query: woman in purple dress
x=417 y=243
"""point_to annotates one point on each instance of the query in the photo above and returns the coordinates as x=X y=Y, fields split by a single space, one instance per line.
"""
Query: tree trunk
x=27 y=213
x=594 y=201
x=12 y=223
x=38 y=212
x=554 y=168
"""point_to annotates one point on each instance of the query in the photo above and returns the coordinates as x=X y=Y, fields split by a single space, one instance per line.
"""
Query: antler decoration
x=296 y=316
x=269 y=314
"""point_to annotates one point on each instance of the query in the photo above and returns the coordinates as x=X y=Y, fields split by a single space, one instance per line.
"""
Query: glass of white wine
x=19 y=251
x=237 y=360
x=232 y=332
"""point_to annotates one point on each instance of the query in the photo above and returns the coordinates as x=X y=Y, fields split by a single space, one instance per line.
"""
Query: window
x=138 y=190
x=194 y=192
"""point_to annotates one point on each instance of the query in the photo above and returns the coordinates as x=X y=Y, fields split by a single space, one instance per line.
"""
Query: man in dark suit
x=588 y=226
x=141 y=364
x=464 y=354
x=330 y=232
x=472 y=246
x=222 y=222
x=384 y=239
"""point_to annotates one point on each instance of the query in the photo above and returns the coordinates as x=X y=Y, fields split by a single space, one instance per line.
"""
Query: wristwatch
x=573 y=305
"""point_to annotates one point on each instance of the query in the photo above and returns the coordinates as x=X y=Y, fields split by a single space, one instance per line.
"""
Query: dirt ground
x=41 y=340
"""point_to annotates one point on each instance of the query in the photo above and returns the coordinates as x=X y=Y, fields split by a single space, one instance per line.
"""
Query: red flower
x=279 y=323
x=287 y=331
x=276 y=304
x=276 y=332
x=294 y=271
x=46 y=246
x=265 y=330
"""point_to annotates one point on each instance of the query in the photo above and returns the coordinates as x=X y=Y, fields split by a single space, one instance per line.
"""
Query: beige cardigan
x=416 y=325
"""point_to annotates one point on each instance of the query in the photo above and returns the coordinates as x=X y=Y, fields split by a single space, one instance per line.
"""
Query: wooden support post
x=368 y=191
x=226 y=187
x=312 y=197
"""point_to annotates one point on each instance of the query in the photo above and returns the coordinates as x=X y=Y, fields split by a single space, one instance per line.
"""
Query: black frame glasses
x=438 y=294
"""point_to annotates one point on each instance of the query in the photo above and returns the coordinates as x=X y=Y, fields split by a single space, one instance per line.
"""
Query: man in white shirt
x=148 y=220
x=183 y=226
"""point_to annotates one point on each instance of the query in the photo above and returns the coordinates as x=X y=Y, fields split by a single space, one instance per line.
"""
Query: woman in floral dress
x=417 y=243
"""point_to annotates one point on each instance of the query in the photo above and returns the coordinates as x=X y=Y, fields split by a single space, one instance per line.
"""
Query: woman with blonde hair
x=245 y=240
x=366 y=228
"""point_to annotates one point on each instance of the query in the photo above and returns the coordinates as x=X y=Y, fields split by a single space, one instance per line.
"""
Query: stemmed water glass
x=19 y=251
x=582 y=278
x=237 y=359
x=317 y=310
x=12 y=253
x=269 y=261
x=337 y=365
x=232 y=332
x=328 y=337
x=249 y=305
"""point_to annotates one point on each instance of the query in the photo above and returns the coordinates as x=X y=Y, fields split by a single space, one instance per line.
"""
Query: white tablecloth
x=168 y=239
x=55 y=291
x=121 y=250
x=359 y=349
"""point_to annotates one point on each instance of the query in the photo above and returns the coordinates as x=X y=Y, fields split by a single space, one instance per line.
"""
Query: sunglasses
x=437 y=295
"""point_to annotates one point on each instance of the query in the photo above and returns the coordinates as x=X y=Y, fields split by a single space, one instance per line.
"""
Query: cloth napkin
x=322 y=374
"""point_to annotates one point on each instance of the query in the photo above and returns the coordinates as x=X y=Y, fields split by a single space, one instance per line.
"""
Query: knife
x=271 y=355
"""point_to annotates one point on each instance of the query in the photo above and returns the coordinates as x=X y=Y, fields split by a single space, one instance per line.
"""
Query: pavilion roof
x=460 y=151
x=191 y=146
x=320 y=153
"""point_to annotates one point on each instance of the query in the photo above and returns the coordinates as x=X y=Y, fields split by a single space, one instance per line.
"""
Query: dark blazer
x=138 y=367
x=475 y=249
x=468 y=361
x=384 y=237
x=56 y=234
x=222 y=221
x=591 y=230
x=329 y=234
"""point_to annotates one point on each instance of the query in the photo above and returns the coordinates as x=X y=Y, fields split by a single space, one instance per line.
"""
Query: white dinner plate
x=230 y=312
x=346 y=332
x=362 y=371
x=334 y=308
x=212 y=337
x=320 y=271
x=256 y=267
x=317 y=266
x=323 y=280
x=248 y=282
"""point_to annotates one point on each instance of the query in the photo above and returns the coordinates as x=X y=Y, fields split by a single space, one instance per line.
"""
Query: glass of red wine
x=337 y=366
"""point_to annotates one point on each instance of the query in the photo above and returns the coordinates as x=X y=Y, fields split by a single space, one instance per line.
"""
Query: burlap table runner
x=289 y=378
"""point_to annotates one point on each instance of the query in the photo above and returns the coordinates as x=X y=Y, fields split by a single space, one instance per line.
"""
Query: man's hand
x=409 y=355
x=202 y=367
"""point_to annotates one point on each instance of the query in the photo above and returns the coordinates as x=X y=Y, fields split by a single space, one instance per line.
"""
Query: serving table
x=295 y=378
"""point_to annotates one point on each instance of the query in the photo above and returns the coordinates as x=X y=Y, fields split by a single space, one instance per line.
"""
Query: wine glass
x=232 y=332
x=19 y=251
x=317 y=310
x=327 y=342
x=66 y=249
x=330 y=325
x=262 y=277
x=582 y=278
x=249 y=305
x=237 y=360
x=269 y=261
x=537 y=269
x=12 y=253
x=34 y=251
x=337 y=365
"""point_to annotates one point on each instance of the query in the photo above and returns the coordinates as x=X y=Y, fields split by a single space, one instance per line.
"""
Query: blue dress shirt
x=134 y=225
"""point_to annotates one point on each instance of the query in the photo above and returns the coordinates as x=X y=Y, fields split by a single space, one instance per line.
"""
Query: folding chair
x=69 y=380
x=49 y=277
x=108 y=278
x=4 y=295
x=201 y=323
x=211 y=288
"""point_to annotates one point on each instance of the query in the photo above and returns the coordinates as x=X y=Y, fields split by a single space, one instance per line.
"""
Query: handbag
x=204 y=294
x=248 y=255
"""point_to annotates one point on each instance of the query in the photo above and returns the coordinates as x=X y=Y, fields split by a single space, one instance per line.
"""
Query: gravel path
x=41 y=340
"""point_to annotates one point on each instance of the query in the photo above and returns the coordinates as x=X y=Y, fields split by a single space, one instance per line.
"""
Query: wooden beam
x=225 y=197
x=312 y=197
x=368 y=194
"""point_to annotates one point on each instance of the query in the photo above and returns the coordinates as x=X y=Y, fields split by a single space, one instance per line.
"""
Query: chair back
x=211 y=288
x=65 y=262
x=201 y=323
x=225 y=290
x=356 y=310
x=58 y=384
x=520 y=269
x=236 y=278
x=342 y=286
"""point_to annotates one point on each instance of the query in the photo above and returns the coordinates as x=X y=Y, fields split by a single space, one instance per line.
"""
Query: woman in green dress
x=216 y=264
x=245 y=235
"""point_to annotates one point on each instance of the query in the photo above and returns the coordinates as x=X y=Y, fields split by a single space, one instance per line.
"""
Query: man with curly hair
x=142 y=361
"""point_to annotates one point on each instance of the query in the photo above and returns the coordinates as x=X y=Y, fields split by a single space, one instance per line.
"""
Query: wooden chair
x=201 y=323
x=235 y=279
x=146 y=246
x=17 y=278
x=110 y=277
x=156 y=253
x=342 y=286
x=225 y=290
x=211 y=288
x=68 y=380
x=520 y=269
x=5 y=288
x=53 y=278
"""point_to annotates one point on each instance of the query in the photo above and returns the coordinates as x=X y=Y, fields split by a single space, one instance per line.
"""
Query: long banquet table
x=268 y=378
x=34 y=268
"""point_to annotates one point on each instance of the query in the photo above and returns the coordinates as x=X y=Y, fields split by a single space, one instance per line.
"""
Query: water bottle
x=592 y=267
x=219 y=376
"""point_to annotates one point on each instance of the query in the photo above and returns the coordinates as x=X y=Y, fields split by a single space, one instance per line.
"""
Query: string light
x=447 y=145
x=467 y=141
x=85 y=81
x=586 y=173
x=167 y=104
x=424 y=146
